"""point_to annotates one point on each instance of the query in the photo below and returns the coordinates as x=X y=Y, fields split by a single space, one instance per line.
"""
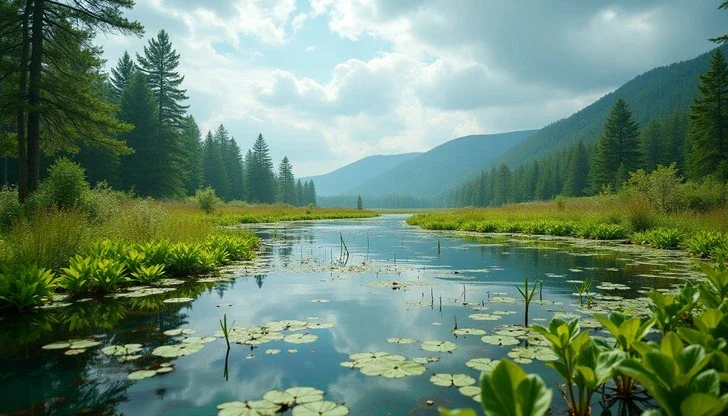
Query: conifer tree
x=249 y=168
x=618 y=147
x=286 y=183
x=708 y=132
x=359 y=203
x=502 y=186
x=159 y=63
x=190 y=137
x=651 y=140
x=138 y=170
x=262 y=188
x=121 y=75
x=214 y=174
x=577 y=179
x=300 y=194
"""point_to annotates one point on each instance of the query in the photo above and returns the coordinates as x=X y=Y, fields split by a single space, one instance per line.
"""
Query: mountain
x=656 y=93
x=354 y=174
x=438 y=170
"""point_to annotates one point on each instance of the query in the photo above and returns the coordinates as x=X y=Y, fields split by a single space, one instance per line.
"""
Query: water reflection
x=436 y=279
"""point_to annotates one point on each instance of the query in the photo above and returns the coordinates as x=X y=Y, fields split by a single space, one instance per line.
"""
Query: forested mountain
x=354 y=174
x=441 y=168
x=657 y=93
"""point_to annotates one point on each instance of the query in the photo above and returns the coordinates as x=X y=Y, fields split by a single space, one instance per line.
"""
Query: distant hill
x=656 y=93
x=354 y=174
x=431 y=173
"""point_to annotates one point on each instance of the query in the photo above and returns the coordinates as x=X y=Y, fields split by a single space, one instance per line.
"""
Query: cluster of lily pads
x=273 y=331
x=304 y=401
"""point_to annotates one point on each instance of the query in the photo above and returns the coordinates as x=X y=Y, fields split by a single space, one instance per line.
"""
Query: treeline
x=129 y=128
x=389 y=201
x=696 y=142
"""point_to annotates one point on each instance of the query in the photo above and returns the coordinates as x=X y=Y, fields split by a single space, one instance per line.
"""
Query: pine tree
x=286 y=183
x=577 y=179
x=159 y=63
x=121 y=75
x=138 y=170
x=651 y=140
x=708 y=132
x=359 y=203
x=618 y=147
x=311 y=194
x=249 y=173
x=502 y=186
x=213 y=168
x=262 y=188
x=675 y=145
x=221 y=140
x=191 y=141
x=300 y=194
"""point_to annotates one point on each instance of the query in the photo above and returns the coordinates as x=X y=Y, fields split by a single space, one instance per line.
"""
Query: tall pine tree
x=651 y=140
x=708 y=132
x=121 y=75
x=577 y=179
x=618 y=151
x=262 y=186
x=190 y=137
x=286 y=183
x=213 y=168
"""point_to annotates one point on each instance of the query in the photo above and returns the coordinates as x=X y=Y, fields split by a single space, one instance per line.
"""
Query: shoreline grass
x=702 y=234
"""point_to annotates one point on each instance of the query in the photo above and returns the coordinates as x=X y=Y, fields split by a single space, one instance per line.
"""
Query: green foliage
x=149 y=274
x=66 y=185
x=108 y=276
x=582 y=365
x=188 y=258
x=706 y=243
x=207 y=200
x=661 y=187
x=667 y=238
x=714 y=291
x=678 y=377
x=25 y=287
x=527 y=297
x=618 y=147
x=509 y=391
x=672 y=310
x=11 y=210
x=76 y=279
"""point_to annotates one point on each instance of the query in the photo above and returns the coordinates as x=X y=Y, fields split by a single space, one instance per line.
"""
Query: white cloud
x=310 y=48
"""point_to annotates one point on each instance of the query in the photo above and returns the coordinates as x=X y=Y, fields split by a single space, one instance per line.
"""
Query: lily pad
x=181 y=331
x=321 y=408
x=447 y=380
x=439 y=346
x=471 y=391
x=500 y=340
x=272 y=351
x=394 y=369
x=294 y=395
x=425 y=360
x=484 y=317
x=60 y=345
x=468 y=331
x=178 y=300
x=320 y=301
x=177 y=350
x=249 y=408
x=198 y=340
x=320 y=325
x=75 y=351
x=483 y=364
x=300 y=338
x=400 y=340
x=126 y=349
x=139 y=375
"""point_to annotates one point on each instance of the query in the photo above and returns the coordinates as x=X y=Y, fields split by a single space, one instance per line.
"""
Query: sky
x=328 y=82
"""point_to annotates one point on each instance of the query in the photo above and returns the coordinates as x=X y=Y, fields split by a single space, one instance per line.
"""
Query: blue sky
x=330 y=81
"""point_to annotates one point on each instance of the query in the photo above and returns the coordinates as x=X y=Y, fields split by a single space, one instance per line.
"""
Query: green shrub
x=703 y=196
x=536 y=227
x=608 y=232
x=669 y=238
x=661 y=187
x=238 y=246
x=23 y=287
x=705 y=243
x=10 y=209
x=560 y=228
x=139 y=221
x=154 y=252
x=78 y=276
x=207 y=200
x=149 y=274
x=188 y=258
x=66 y=185
x=108 y=276
x=510 y=227
x=640 y=216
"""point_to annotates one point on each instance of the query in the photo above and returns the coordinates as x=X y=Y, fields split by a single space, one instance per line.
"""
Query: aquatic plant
x=706 y=243
x=527 y=297
x=25 y=287
x=672 y=310
x=583 y=288
x=148 y=274
x=188 y=258
x=77 y=277
x=108 y=275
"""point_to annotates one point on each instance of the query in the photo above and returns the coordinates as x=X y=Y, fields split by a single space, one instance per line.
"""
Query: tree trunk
x=34 y=96
x=22 y=97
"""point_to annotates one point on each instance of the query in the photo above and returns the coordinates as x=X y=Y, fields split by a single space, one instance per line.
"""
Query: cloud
x=310 y=48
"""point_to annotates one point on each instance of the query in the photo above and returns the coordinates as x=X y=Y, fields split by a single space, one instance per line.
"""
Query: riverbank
x=702 y=234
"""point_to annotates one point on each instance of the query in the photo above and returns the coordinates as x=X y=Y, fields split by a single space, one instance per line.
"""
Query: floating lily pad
x=321 y=408
x=294 y=395
x=425 y=360
x=447 y=380
x=375 y=358
x=178 y=300
x=181 y=331
x=163 y=370
x=483 y=364
x=198 y=340
x=60 y=345
x=272 y=351
x=75 y=351
x=468 y=331
x=300 y=338
x=249 y=408
x=484 y=317
x=320 y=325
x=471 y=391
x=292 y=351
x=394 y=369
x=177 y=350
x=126 y=349
x=400 y=340
x=125 y=358
x=500 y=340
x=320 y=301
x=139 y=375
x=439 y=346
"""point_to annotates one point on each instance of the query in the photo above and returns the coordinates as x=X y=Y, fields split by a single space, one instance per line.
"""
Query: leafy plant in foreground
x=108 y=276
x=582 y=364
x=78 y=276
x=24 y=287
x=149 y=274
x=670 y=310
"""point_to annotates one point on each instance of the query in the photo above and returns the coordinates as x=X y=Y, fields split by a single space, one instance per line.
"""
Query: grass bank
x=609 y=217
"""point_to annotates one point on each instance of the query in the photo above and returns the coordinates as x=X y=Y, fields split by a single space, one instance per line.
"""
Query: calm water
x=300 y=263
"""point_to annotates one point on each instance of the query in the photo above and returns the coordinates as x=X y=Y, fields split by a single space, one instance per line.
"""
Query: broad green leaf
x=534 y=396
x=498 y=389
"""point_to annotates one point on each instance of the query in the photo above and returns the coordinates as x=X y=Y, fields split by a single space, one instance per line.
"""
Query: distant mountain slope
x=656 y=93
x=354 y=174
x=439 y=169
